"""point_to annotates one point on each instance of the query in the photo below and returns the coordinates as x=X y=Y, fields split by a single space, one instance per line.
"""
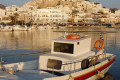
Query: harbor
x=59 y=40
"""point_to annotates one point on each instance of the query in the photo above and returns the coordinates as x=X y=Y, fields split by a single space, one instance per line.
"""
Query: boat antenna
x=115 y=43
x=106 y=46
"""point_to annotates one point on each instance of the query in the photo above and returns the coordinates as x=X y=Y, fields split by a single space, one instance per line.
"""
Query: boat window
x=63 y=47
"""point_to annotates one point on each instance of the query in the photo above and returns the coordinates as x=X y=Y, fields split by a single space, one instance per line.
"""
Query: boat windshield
x=63 y=47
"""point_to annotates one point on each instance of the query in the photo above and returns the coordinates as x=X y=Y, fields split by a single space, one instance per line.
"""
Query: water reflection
x=108 y=76
x=35 y=40
x=28 y=40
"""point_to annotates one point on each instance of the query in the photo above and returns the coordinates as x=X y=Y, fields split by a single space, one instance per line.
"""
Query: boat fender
x=85 y=64
x=99 y=47
x=70 y=78
x=2 y=67
x=99 y=74
x=11 y=71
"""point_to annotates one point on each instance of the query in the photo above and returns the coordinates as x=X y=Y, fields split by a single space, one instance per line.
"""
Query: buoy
x=99 y=74
x=107 y=76
x=70 y=78
x=73 y=37
x=99 y=47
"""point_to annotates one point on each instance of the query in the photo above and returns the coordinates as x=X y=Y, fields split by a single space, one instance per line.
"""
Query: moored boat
x=19 y=28
x=6 y=29
x=70 y=59
x=41 y=28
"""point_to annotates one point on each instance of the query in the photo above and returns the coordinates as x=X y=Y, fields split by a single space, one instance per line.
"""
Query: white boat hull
x=28 y=68
x=88 y=74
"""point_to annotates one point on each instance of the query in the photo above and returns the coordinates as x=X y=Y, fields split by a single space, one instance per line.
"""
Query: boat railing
x=80 y=60
x=20 y=57
x=90 y=61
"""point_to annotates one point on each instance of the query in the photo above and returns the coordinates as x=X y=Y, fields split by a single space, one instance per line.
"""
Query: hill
x=43 y=3
x=2 y=6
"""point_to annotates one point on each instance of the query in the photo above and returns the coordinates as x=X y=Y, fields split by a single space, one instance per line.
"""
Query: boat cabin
x=66 y=50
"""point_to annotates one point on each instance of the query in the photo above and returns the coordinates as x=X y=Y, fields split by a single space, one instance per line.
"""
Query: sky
x=106 y=3
x=13 y=2
x=109 y=3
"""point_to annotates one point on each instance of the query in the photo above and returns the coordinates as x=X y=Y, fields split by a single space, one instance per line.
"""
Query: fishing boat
x=71 y=58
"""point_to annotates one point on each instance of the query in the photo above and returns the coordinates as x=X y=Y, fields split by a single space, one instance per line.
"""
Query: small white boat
x=6 y=29
x=71 y=58
x=41 y=28
x=48 y=27
x=19 y=28
x=32 y=28
x=44 y=27
x=29 y=28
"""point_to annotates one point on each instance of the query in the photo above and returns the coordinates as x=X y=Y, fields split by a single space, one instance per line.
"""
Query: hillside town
x=65 y=12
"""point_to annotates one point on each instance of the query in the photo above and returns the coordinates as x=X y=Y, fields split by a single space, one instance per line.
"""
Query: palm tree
x=14 y=18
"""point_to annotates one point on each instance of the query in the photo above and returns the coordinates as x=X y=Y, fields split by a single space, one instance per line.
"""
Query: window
x=63 y=47
x=16 y=9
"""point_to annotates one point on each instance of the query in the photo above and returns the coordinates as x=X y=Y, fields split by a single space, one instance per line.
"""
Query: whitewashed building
x=29 y=8
x=82 y=6
x=72 y=0
x=3 y=17
x=79 y=17
x=11 y=10
x=48 y=15
x=26 y=17
x=106 y=10
x=117 y=13
x=2 y=12
x=64 y=9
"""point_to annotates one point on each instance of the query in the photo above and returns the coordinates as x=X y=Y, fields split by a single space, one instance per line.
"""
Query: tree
x=58 y=3
x=113 y=10
x=14 y=18
x=75 y=11
x=104 y=7
x=87 y=0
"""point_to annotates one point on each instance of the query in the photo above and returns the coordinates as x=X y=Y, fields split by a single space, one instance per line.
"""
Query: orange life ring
x=100 y=47
x=73 y=36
